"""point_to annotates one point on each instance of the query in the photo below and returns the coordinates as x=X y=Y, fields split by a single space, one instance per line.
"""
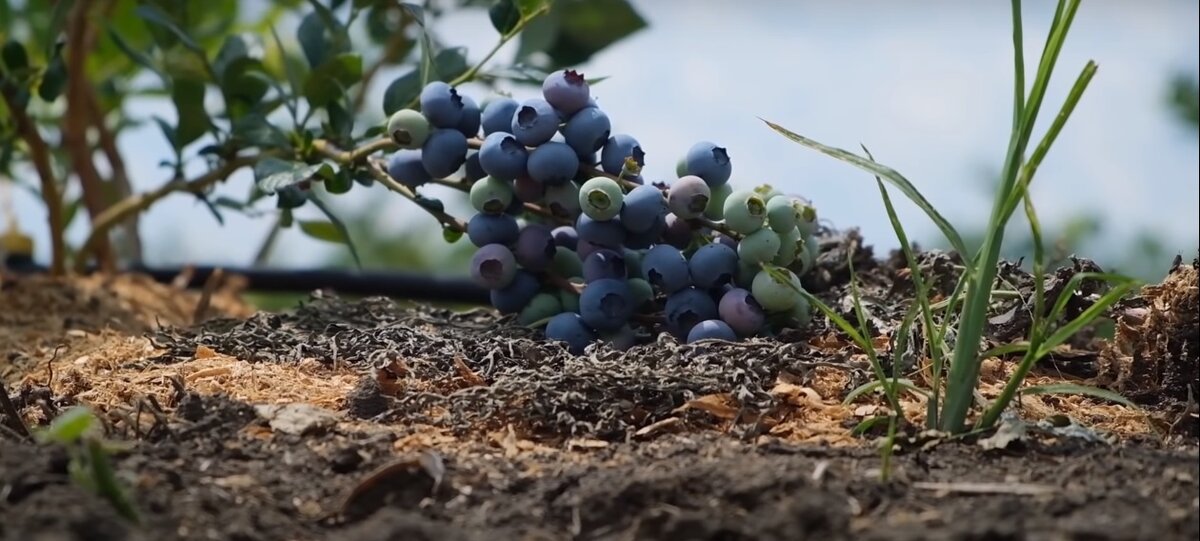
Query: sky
x=926 y=86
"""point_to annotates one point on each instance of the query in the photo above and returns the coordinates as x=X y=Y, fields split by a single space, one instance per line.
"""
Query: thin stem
x=118 y=212
x=504 y=39
x=80 y=38
x=379 y=173
x=120 y=176
x=39 y=154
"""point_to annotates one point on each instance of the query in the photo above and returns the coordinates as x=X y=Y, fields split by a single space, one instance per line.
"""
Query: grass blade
x=1018 y=66
x=891 y=175
x=1089 y=315
x=874 y=385
x=1073 y=388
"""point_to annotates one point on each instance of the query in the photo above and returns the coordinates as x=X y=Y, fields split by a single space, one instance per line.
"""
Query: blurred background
x=926 y=86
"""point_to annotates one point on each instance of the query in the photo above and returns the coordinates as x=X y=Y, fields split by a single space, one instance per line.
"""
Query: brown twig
x=210 y=286
x=120 y=176
x=80 y=38
x=379 y=173
x=39 y=154
x=115 y=214
x=10 y=411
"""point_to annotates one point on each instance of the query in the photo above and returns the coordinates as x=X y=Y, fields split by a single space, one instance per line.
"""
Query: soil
x=373 y=420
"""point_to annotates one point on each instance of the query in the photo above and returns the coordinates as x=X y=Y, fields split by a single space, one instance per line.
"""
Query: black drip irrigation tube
x=402 y=285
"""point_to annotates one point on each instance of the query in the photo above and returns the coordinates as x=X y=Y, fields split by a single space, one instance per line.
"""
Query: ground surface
x=367 y=420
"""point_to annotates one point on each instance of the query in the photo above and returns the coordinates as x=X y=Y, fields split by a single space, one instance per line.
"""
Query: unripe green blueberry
x=767 y=192
x=806 y=216
x=633 y=261
x=642 y=292
x=716 y=201
x=789 y=246
x=759 y=247
x=566 y=263
x=542 y=306
x=681 y=167
x=408 y=128
x=745 y=274
x=601 y=198
x=801 y=313
x=807 y=256
x=490 y=195
x=569 y=301
x=775 y=295
x=745 y=211
x=781 y=216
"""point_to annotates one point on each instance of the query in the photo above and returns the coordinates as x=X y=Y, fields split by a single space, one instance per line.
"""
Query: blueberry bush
x=568 y=233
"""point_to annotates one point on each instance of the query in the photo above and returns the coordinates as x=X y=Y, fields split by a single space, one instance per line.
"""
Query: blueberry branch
x=379 y=173
x=129 y=206
x=39 y=154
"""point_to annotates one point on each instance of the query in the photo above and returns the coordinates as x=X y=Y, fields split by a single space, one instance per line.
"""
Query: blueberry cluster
x=569 y=234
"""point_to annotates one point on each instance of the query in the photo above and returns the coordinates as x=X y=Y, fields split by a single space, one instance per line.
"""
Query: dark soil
x=465 y=426
x=213 y=479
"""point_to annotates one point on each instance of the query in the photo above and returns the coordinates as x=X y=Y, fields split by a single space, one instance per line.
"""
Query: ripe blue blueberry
x=689 y=196
x=616 y=149
x=493 y=266
x=605 y=233
x=587 y=131
x=471 y=118
x=606 y=305
x=512 y=298
x=644 y=206
x=565 y=236
x=407 y=168
x=444 y=152
x=713 y=265
x=709 y=162
x=474 y=171
x=569 y=327
x=686 y=308
x=535 y=247
x=502 y=156
x=566 y=90
x=442 y=105
x=553 y=163
x=484 y=229
x=534 y=122
x=498 y=114
x=666 y=269
x=742 y=312
x=678 y=232
x=602 y=264
x=647 y=238
x=711 y=329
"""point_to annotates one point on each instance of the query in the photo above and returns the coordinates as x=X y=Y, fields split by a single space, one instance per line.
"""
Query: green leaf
x=168 y=131
x=341 y=182
x=322 y=230
x=188 y=97
x=875 y=385
x=244 y=83
x=152 y=14
x=404 y=90
x=69 y=426
x=138 y=57
x=234 y=48
x=54 y=80
x=504 y=15
x=1085 y=390
x=273 y=174
x=58 y=19
x=15 y=57
x=888 y=174
x=321 y=35
x=255 y=130
x=330 y=81
x=339 y=227
x=527 y=8
x=572 y=32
